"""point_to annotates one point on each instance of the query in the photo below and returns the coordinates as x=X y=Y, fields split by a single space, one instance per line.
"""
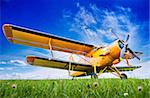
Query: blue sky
x=83 y=20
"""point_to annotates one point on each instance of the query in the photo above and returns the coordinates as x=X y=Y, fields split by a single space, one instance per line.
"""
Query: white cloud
x=10 y=68
x=6 y=68
x=2 y=62
x=14 y=62
x=18 y=62
x=1 y=68
x=93 y=24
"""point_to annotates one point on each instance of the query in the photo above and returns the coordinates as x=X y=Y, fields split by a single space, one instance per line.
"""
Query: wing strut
x=115 y=70
x=50 y=47
x=70 y=67
x=101 y=71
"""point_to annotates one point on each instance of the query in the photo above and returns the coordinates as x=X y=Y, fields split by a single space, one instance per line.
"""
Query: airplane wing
x=54 y=63
x=19 y=35
x=79 y=68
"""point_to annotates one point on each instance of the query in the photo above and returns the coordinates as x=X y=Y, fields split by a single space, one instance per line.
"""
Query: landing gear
x=94 y=76
x=123 y=76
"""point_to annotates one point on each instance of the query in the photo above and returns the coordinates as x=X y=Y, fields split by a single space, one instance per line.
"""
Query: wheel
x=123 y=76
x=72 y=78
x=94 y=76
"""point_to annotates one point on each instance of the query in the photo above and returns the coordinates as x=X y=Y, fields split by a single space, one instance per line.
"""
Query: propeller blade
x=133 y=53
x=111 y=30
x=126 y=47
x=138 y=52
x=127 y=37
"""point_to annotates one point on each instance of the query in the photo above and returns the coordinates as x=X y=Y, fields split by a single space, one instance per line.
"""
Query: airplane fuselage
x=106 y=56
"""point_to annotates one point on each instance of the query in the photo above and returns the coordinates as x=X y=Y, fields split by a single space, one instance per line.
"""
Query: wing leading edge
x=19 y=35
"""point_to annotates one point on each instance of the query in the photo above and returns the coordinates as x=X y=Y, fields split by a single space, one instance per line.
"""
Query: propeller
x=125 y=44
x=133 y=53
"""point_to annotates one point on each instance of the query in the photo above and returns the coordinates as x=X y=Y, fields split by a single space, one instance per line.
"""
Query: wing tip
x=30 y=59
x=7 y=30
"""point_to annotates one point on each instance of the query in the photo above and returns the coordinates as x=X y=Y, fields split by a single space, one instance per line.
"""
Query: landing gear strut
x=94 y=76
x=121 y=75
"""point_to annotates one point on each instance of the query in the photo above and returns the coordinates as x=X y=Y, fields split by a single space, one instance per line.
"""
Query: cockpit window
x=121 y=45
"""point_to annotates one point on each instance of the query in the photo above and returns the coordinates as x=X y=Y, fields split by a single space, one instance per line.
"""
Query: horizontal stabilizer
x=127 y=68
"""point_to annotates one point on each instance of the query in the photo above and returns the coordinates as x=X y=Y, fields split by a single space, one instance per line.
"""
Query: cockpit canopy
x=120 y=43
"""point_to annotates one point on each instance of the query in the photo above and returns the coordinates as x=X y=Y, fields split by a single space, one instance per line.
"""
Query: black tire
x=123 y=76
x=72 y=78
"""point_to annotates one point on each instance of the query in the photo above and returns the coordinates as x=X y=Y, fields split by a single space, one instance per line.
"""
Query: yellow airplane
x=101 y=59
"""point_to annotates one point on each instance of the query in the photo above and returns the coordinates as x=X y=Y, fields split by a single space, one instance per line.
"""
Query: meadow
x=77 y=88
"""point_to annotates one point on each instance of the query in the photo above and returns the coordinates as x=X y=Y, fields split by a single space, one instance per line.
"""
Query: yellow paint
x=101 y=57
x=106 y=56
x=34 y=40
x=98 y=52
x=77 y=73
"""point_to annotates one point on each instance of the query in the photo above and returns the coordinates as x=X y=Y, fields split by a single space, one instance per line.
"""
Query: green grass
x=78 y=88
